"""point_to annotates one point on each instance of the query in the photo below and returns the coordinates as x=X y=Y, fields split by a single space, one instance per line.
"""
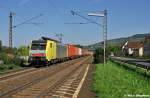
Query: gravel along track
x=69 y=86
x=32 y=84
x=17 y=73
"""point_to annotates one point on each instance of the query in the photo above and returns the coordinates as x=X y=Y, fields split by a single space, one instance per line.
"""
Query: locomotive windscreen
x=38 y=45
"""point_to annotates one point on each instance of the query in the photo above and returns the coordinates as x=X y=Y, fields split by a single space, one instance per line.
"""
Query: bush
x=9 y=59
x=2 y=67
x=11 y=66
x=23 y=51
x=16 y=61
x=4 y=58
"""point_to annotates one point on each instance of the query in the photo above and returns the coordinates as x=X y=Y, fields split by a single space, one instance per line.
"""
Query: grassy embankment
x=114 y=81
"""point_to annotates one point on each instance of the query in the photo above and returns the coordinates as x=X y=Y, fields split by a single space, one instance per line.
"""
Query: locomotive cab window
x=38 y=46
x=51 y=45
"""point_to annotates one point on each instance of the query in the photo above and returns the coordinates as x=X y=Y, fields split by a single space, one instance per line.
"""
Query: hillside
x=120 y=41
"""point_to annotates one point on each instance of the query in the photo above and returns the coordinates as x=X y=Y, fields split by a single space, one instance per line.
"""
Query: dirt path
x=86 y=88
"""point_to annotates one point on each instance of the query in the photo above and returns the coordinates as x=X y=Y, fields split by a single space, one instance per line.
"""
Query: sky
x=125 y=18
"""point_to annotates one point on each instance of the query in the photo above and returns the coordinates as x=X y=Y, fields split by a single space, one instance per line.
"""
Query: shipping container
x=61 y=51
x=79 y=51
x=86 y=52
x=76 y=51
x=71 y=50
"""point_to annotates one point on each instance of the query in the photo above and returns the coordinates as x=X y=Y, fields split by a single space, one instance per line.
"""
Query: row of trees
x=99 y=53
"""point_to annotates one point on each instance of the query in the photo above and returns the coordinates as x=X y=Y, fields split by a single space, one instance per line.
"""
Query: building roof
x=135 y=45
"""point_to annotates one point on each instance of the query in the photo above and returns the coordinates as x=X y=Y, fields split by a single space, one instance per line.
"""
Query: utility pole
x=10 y=29
x=104 y=26
x=24 y=22
x=105 y=34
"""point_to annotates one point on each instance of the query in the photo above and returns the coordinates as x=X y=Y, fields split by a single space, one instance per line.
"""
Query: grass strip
x=113 y=81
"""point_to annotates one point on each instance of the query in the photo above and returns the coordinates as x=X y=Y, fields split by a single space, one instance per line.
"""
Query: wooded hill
x=119 y=41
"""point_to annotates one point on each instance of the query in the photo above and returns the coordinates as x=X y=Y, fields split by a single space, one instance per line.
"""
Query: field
x=114 y=81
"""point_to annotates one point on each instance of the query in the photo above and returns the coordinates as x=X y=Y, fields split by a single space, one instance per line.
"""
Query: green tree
x=23 y=51
x=115 y=49
x=98 y=55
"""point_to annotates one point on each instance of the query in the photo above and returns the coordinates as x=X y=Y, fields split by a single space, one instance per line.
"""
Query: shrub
x=3 y=67
x=23 y=51
x=10 y=67
x=9 y=59
x=4 y=58
x=16 y=61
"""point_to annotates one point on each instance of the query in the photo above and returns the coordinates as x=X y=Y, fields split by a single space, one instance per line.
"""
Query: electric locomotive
x=46 y=51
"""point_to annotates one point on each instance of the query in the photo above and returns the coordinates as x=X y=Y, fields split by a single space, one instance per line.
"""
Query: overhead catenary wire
x=75 y=13
x=26 y=21
x=77 y=22
x=58 y=12
x=35 y=23
x=104 y=15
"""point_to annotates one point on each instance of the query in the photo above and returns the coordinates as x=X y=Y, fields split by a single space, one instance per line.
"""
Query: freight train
x=47 y=51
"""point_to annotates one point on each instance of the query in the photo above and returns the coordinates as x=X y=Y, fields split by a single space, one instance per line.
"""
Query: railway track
x=69 y=86
x=34 y=84
x=16 y=73
x=137 y=62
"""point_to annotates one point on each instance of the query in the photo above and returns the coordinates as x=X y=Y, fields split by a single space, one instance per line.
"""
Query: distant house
x=133 y=48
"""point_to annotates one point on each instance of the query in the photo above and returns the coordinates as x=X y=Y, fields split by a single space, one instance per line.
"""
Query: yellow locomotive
x=46 y=51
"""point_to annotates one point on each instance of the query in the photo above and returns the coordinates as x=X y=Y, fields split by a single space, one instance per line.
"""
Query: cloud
x=23 y=2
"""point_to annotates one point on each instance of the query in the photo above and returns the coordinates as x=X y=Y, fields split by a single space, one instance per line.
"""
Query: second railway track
x=17 y=72
x=33 y=85
x=145 y=64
